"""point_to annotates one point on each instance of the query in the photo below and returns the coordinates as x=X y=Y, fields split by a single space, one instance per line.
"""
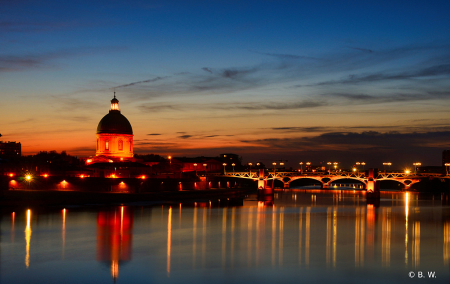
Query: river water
x=306 y=236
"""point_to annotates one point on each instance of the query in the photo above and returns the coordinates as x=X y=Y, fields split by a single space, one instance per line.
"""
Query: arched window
x=120 y=145
x=107 y=145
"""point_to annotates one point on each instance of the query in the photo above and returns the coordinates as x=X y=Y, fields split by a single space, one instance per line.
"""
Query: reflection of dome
x=115 y=123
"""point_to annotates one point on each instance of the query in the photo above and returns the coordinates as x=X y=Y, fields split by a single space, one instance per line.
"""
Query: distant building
x=198 y=164
x=231 y=159
x=10 y=149
x=445 y=157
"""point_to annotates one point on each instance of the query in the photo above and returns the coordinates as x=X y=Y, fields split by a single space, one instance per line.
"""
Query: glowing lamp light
x=28 y=177
x=11 y=174
x=111 y=161
x=143 y=177
x=113 y=176
x=88 y=161
x=407 y=171
x=45 y=175
x=81 y=176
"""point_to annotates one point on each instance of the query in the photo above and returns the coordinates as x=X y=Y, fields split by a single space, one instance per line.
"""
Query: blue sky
x=321 y=80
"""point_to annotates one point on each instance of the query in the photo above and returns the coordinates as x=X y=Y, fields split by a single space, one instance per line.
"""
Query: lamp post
x=446 y=167
x=301 y=167
x=273 y=178
x=357 y=166
x=205 y=166
x=415 y=166
x=224 y=171
x=335 y=166
x=195 y=167
x=387 y=164
x=329 y=165
x=28 y=177
x=233 y=164
x=307 y=165
x=363 y=164
x=250 y=168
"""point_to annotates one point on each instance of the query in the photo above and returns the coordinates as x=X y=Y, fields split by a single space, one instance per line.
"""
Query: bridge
x=325 y=179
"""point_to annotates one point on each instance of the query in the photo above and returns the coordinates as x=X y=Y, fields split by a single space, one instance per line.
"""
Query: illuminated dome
x=114 y=135
x=115 y=123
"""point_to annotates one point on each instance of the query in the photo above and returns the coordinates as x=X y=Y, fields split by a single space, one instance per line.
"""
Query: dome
x=114 y=123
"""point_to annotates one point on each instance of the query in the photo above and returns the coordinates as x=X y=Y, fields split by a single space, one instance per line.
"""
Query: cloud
x=284 y=56
x=14 y=63
x=154 y=134
x=140 y=82
x=185 y=136
x=361 y=49
x=431 y=71
x=207 y=70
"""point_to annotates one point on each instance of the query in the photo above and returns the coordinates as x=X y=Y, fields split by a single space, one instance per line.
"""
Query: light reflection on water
x=316 y=235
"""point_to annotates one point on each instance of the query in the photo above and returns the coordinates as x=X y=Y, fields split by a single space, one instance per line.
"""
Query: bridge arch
x=305 y=181
x=346 y=179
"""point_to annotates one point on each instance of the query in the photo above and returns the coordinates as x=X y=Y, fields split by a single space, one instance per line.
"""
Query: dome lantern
x=114 y=103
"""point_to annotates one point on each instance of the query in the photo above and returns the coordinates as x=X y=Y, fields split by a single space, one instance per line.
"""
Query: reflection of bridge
x=325 y=179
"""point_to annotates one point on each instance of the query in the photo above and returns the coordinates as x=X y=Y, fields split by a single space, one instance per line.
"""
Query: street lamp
x=273 y=180
x=205 y=166
x=224 y=171
x=446 y=167
x=329 y=165
x=416 y=165
x=307 y=165
x=387 y=164
x=195 y=167
x=233 y=164
x=357 y=166
x=363 y=164
x=28 y=177
x=250 y=168
x=301 y=167
x=335 y=166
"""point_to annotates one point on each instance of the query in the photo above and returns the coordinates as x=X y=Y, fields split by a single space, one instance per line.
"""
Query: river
x=305 y=236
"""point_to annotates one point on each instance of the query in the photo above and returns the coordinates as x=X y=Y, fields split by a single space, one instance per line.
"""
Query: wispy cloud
x=140 y=82
x=284 y=56
x=14 y=63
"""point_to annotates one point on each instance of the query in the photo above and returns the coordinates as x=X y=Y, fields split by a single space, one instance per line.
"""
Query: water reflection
x=114 y=237
x=28 y=239
x=300 y=231
x=63 y=231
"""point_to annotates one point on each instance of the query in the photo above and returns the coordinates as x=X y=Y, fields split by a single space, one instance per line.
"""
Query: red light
x=11 y=174
x=45 y=175
x=143 y=177
x=81 y=176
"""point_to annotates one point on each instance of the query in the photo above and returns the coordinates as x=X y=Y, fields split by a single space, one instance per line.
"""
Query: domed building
x=115 y=135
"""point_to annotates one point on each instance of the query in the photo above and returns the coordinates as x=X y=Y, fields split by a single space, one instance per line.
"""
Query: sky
x=317 y=81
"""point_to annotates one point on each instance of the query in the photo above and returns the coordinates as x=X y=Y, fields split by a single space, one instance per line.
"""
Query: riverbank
x=32 y=198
